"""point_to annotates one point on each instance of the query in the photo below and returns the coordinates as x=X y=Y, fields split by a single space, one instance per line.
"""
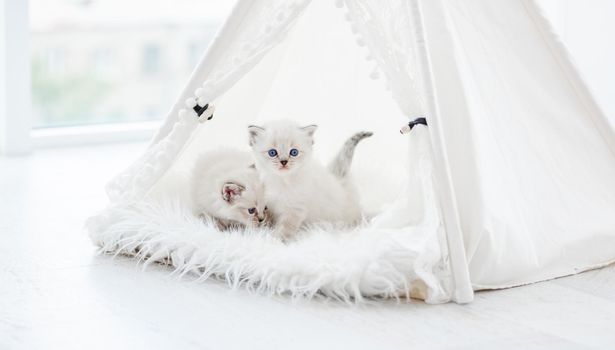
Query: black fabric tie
x=200 y=110
x=416 y=122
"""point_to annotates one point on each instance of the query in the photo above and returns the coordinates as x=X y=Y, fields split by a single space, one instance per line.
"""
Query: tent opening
x=319 y=75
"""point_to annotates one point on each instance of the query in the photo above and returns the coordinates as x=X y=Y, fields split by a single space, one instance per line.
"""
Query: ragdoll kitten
x=226 y=189
x=299 y=189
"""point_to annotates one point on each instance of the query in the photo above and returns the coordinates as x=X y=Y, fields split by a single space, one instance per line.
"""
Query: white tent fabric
x=523 y=158
x=534 y=163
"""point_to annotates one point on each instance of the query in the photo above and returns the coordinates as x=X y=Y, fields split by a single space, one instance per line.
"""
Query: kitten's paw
x=283 y=235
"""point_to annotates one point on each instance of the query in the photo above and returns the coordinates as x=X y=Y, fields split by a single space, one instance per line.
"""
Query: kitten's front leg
x=289 y=223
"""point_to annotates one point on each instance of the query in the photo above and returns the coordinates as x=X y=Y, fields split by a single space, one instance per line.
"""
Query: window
x=102 y=61
x=151 y=59
x=115 y=61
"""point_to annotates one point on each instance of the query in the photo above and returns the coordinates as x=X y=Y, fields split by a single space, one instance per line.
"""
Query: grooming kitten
x=226 y=188
x=299 y=189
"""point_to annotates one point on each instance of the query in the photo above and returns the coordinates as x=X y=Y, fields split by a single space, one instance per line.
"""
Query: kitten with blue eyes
x=299 y=189
x=227 y=190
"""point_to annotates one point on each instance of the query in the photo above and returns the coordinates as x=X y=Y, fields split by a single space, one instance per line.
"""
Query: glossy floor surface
x=55 y=292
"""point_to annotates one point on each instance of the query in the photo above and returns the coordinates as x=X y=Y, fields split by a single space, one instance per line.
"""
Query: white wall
x=588 y=29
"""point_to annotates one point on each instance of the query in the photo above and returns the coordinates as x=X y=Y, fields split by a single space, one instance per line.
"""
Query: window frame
x=15 y=96
x=95 y=134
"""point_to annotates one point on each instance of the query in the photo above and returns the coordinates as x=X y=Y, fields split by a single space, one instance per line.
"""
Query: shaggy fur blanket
x=348 y=265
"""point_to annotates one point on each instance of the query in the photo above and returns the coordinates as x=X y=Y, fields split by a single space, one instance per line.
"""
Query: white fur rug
x=346 y=265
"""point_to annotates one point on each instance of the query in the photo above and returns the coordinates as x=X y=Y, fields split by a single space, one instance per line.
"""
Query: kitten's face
x=281 y=147
x=246 y=203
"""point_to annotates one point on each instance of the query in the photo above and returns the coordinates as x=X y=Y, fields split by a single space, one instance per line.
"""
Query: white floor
x=56 y=293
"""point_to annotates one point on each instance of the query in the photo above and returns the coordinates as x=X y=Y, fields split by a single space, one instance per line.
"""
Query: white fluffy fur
x=302 y=191
x=350 y=265
x=228 y=168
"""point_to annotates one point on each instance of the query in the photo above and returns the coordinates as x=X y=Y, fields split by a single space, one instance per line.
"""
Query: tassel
x=408 y=127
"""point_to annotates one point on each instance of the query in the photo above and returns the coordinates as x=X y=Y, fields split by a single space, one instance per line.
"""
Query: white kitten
x=299 y=189
x=226 y=188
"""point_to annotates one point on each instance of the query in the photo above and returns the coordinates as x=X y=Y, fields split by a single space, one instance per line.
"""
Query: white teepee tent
x=513 y=181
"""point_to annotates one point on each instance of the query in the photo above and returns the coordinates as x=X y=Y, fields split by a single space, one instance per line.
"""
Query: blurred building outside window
x=115 y=61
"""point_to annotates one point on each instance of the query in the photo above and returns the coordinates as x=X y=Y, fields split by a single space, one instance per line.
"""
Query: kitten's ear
x=231 y=190
x=255 y=133
x=310 y=130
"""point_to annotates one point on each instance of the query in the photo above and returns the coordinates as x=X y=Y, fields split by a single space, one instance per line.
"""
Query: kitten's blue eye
x=294 y=152
x=272 y=153
x=251 y=211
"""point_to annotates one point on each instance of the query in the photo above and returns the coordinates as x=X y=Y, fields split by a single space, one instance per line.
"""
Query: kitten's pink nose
x=284 y=162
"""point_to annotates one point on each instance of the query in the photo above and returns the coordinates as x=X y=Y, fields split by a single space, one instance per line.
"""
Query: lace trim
x=386 y=31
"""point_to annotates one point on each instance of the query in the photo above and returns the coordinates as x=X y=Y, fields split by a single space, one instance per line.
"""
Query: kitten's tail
x=341 y=163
